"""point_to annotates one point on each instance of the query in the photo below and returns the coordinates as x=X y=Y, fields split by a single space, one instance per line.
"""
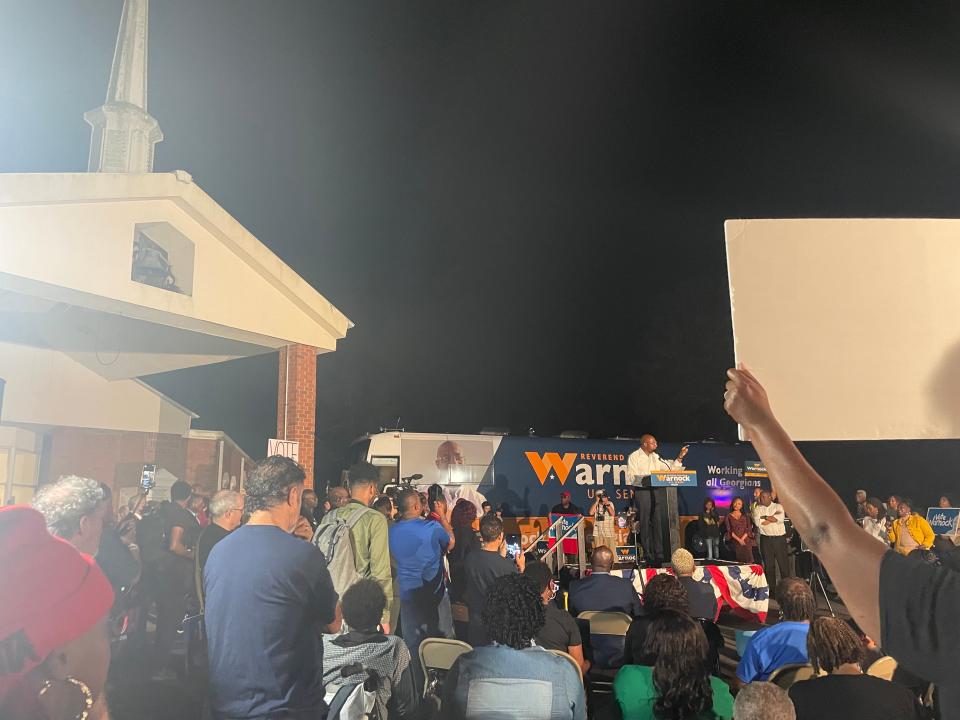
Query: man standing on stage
x=640 y=464
x=565 y=507
x=768 y=516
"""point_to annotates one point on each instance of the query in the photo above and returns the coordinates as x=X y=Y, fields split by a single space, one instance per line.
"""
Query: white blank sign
x=853 y=326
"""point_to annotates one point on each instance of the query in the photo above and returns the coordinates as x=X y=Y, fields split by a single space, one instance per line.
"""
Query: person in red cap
x=54 y=646
x=565 y=507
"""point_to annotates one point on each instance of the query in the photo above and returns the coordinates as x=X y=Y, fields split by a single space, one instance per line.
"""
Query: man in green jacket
x=371 y=547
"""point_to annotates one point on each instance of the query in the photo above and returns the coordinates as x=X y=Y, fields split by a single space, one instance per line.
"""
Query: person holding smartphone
x=482 y=568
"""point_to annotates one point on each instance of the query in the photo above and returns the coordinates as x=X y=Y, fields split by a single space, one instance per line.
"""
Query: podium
x=665 y=484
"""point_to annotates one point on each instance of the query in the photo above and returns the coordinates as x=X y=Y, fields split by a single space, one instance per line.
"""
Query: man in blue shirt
x=268 y=598
x=784 y=643
x=417 y=546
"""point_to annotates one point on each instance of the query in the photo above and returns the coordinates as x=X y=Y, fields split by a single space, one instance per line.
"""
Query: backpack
x=334 y=539
x=152 y=535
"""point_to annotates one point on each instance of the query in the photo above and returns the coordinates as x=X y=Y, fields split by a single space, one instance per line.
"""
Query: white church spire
x=124 y=133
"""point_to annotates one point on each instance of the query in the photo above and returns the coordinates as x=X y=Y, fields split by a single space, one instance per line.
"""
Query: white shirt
x=639 y=465
x=770 y=529
x=877 y=528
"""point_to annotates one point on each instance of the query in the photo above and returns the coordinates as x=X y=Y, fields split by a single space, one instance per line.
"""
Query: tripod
x=815 y=577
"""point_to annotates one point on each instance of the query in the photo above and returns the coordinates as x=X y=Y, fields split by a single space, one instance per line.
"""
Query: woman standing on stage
x=740 y=530
x=710 y=529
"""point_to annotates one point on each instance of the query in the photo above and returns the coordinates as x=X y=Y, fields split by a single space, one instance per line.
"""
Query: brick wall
x=297 y=403
x=116 y=458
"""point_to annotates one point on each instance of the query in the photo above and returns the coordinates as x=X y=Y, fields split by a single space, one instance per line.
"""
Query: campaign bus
x=524 y=476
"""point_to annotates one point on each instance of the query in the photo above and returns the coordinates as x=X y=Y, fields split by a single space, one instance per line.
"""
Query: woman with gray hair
x=73 y=508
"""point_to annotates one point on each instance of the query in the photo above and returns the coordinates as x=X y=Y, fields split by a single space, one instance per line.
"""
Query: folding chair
x=608 y=631
x=883 y=668
x=784 y=677
x=437 y=656
x=569 y=658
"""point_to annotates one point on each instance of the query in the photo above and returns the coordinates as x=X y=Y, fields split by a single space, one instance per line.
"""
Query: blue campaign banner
x=528 y=474
x=943 y=520
x=677 y=479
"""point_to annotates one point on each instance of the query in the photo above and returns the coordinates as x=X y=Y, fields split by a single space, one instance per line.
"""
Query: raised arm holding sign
x=910 y=607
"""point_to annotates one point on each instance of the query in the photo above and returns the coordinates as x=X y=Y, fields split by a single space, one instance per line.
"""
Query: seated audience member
x=602 y=591
x=365 y=645
x=481 y=568
x=860 y=505
x=560 y=631
x=893 y=503
x=763 y=701
x=226 y=511
x=268 y=598
x=384 y=504
x=73 y=508
x=54 y=646
x=871 y=651
x=836 y=650
x=513 y=678
x=875 y=521
x=678 y=684
x=467 y=541
x=702 y=599
x=784 y=643
x=910 y=608
x=910 y=531
x=663 y=592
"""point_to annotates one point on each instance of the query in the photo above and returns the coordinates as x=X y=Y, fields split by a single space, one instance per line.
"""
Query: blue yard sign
x=943 y=520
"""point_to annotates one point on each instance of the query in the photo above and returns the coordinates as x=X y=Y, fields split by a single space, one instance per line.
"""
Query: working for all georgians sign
x=943 y=520
x=284 y=448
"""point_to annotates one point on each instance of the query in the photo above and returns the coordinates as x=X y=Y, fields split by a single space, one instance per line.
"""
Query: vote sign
x=943 y=520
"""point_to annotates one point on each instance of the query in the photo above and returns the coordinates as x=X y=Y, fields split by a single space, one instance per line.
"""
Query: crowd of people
x=301 y=595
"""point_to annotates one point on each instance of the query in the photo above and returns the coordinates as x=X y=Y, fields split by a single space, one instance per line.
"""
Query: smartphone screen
x=148 y=478
x=513 y=546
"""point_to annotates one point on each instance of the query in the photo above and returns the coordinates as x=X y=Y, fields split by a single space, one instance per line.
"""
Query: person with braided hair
x=835 y=649
x=784 y=643
x=513 y=677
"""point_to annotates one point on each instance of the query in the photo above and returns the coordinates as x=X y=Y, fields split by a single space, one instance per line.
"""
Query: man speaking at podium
x=640 y=464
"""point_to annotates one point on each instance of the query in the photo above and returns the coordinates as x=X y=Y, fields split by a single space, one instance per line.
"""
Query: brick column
x=297 y=402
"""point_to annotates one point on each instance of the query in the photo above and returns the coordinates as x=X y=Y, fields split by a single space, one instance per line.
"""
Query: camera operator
x=604 y=521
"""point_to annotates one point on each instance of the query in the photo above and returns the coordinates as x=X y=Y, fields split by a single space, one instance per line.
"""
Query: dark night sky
x=520 y=205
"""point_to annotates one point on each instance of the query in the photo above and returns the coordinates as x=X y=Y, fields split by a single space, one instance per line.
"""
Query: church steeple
x=124 y=133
